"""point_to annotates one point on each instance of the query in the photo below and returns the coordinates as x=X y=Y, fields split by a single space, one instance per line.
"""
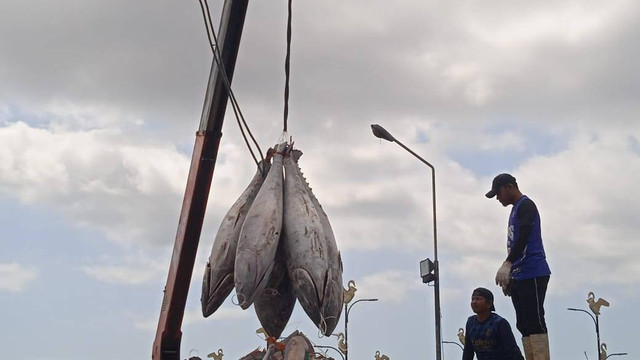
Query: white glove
x=506 y=290
x=504 y=274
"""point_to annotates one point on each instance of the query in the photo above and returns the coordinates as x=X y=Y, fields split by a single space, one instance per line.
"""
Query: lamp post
x=426 y=266
x=347 y=308
x=596 y=322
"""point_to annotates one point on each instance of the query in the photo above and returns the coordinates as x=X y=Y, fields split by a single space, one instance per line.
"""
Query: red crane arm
x=205 y=152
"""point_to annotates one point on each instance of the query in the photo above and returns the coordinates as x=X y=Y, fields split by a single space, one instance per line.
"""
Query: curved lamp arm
x=586 y=312
x=357 y=301
x=455 y=343
x=330 y=347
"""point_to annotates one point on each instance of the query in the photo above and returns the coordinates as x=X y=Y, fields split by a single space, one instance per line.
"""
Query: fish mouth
x=247 y=292
x=216 y=296
x=318 y=301
x=307 y=294
x=332 y=302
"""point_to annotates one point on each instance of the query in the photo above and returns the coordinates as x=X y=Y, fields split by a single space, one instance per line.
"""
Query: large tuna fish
x=218 y=276
x=305 y=245
x=333 y=293
x=259 y=236
x=276 y=302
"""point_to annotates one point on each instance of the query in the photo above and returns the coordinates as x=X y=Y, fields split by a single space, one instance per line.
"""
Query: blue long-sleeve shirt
x=491 y=339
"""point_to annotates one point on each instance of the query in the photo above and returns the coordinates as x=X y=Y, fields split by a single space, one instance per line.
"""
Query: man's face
x=503 y=195
x=479 y=304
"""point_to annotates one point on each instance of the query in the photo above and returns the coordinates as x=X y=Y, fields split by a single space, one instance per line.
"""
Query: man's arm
x=526 y=218
x=467 y=352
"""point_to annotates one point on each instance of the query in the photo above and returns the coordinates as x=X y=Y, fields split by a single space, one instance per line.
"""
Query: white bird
x=595 y=305
x=342 y=346
x=216 y=356
x=350 y=293
x=603 y=351
x=381 y=357
x=461 y=335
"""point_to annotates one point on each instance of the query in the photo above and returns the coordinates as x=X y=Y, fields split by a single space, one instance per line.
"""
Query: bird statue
x=603 y=351
x=263 y=332
x=194 y=357
x=461 y=335
x=351 y=292
x=381 y=357
x=342 y=346
x=595 y=305
x=216 y=356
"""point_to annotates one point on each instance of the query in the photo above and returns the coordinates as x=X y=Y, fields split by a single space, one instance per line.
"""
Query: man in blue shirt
x=524 y=274
x=488 y=335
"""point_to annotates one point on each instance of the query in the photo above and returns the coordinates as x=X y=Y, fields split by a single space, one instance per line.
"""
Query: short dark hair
x=486 y=294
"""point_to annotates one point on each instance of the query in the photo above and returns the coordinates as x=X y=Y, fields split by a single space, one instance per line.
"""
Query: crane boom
x=166 y=345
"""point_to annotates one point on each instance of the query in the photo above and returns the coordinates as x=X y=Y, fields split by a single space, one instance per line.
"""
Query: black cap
x=485 y=293
x=498 y=181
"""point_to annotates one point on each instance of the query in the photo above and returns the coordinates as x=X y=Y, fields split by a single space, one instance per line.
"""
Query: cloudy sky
x=100 y=102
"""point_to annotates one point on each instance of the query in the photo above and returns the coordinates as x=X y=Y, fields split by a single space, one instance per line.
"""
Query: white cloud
x=46 y=163
x=97 y=178
x=389 y=286
x=14 y=277
x=124 y=274
x=194 y=316
x=136 y=265
x=571 y=21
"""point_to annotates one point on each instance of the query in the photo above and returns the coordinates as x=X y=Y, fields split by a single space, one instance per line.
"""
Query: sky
x=100 y=102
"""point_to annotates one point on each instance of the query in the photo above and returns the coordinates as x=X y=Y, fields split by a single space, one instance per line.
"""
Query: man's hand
x=504 y=274
x=506 y=290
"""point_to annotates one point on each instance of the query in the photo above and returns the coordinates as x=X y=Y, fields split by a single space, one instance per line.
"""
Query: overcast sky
x=100 y=102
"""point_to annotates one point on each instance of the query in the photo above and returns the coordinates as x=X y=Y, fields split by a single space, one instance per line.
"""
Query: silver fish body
x=258 y=240
x=307 y=254
x=218 y=277
x=276 y=302
x=332 y=303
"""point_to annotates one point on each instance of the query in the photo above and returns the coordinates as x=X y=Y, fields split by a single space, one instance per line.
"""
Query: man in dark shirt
x=524 y=274
x=488 y=335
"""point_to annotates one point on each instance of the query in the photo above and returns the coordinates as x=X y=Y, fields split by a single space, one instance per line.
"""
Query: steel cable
x=221 y=70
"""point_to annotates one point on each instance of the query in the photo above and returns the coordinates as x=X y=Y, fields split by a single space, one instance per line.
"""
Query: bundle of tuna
x=276 y=245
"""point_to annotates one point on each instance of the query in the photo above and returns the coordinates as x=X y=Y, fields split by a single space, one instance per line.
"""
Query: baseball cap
x=485 y=293
x=498 y=181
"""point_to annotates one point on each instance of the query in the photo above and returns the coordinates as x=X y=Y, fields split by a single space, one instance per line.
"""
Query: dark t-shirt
x=491 y=339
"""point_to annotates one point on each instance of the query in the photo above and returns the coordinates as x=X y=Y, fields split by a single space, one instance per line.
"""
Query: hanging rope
x=287 y=62
x=215 y=48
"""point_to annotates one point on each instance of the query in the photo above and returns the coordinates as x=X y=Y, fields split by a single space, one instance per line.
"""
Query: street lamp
x=595 y=321
x=426 y=266
x=347 y=308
